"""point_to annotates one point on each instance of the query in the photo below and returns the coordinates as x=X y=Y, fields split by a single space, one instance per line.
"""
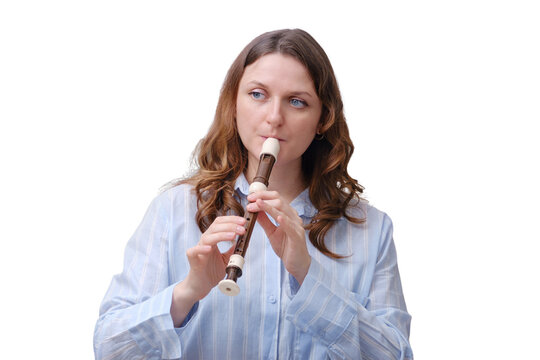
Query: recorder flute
x=267 y=159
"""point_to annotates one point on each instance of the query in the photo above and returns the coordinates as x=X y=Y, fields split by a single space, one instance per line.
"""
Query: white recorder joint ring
x=256 y=187
x=236 y=260
x=227 y=286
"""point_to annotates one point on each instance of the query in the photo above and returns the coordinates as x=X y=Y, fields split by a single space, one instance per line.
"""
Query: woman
x=320 y=279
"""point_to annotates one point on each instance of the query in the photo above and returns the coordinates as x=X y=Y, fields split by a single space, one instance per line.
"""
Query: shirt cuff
x=188 y=318
x=321 y=306
x=153 y=328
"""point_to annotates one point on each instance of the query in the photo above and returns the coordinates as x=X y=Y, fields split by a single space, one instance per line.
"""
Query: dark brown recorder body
x=260 y=182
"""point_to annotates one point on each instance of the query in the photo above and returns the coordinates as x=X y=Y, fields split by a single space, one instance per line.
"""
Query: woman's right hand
x=207 y=265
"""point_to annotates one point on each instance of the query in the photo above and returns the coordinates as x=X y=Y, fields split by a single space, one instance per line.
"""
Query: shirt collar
x=302 y=204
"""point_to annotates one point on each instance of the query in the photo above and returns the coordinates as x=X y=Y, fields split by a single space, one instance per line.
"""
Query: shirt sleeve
x=135 y=320
x=351 y=326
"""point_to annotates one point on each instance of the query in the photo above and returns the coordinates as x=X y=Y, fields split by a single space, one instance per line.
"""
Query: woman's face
x=277 y=98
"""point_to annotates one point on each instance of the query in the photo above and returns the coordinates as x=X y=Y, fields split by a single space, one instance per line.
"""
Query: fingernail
x=240 y=229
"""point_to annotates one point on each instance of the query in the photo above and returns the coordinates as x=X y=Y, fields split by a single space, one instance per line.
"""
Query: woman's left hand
x=288 y=239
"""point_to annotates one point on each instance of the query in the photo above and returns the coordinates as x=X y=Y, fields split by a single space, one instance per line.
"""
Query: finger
x=215 y=238
x=252 y=207
x=265 y=206
x=294 y=227
x=273 y=199
x=264 y=195
x=225 y=227
x=267 y=225
x=277 y=203
x=229 y=219
x=221 y=232
x=291 y=225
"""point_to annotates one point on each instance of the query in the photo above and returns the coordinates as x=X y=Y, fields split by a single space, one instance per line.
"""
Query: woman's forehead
x=278 y=69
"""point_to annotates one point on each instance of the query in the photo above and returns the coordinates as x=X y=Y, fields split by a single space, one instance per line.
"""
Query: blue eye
x=298 y=103
x=257 y=95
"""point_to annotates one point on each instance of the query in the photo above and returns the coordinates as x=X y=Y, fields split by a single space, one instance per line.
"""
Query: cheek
x=241 y=117
x=241 y=127
x=246 y=127
x=306 y=126
x=302 y=139
x=244 y=114
x=306 y=133
x=244 y=124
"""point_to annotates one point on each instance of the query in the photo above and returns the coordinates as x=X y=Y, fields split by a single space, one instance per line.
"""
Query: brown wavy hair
x=220 y=157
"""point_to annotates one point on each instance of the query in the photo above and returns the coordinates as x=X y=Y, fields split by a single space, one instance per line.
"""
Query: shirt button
x=271 y=299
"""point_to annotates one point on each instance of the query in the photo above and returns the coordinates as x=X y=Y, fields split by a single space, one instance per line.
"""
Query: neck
x=287 y=179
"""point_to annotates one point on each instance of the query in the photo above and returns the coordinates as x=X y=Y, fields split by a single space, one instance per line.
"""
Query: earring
x=319 y=136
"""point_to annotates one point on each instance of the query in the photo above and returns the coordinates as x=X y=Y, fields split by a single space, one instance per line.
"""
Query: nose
x=275 y=113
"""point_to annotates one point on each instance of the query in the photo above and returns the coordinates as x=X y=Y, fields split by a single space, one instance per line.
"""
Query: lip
x=275 y=137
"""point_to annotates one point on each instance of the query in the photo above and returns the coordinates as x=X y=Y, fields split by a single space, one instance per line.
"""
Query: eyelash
x=302 y=102
x=258 y=94
x=254 y=93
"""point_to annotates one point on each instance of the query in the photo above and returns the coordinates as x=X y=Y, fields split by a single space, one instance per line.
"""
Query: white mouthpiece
x=270 y=147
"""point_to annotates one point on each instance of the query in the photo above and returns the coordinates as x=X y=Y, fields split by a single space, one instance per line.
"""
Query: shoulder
x=362 y=209
x=371 y=216
x=376 y=230
x=177 y=194
x=175 y=197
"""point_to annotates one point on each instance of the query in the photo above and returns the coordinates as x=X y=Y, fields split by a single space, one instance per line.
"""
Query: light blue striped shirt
x=350 y=308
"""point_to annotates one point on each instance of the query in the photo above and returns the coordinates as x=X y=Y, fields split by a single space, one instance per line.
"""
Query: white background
x=102 y=102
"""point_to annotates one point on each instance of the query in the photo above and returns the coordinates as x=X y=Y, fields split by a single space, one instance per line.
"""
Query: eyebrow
x=293 y=93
